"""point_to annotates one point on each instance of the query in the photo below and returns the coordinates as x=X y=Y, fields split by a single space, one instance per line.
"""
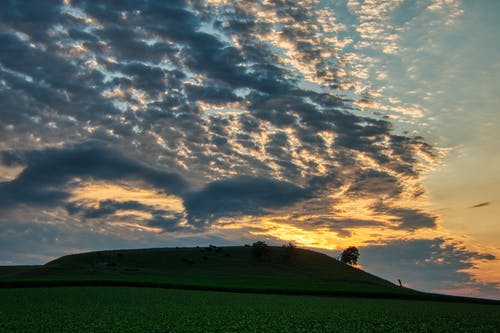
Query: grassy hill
x=236 y=267
x=278 y=270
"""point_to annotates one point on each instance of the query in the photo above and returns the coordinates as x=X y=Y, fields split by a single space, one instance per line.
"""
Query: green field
x=116 y=309
x=283 y=290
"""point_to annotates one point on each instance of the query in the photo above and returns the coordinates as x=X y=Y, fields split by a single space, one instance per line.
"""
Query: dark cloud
x=414 y=219
x=166 y=220
x=105 y=208
x=372 y=182
x=211 y=93
x=408 y=218
x=319 y=184
x=150 y=53
x=46 y=174
x=241 y=195
x=482 y=204
x=278 y=145
x=148 y=78
x=30 y=17
x=343 y=227
x=11 y=159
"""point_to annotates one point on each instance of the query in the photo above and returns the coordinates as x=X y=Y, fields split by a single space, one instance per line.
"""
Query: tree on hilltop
x=259 y=248
x=350 y=255
x=288 y=250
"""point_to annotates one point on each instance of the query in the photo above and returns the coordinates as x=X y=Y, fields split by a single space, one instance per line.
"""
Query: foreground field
x=116 y=309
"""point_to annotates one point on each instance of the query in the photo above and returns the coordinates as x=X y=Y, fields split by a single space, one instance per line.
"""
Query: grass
x=117 y=309
x=228 y=268
x=279 y=271
x=94 y=292
x=6 y=271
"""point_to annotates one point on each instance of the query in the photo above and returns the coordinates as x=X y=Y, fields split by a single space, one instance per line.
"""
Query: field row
x=117 y=309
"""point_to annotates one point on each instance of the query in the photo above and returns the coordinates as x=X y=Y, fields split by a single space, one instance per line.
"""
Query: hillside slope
x=219 y=267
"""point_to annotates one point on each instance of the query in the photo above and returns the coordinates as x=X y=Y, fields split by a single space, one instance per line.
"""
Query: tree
x=288 y=250
x=259 y=248
x=350 y=255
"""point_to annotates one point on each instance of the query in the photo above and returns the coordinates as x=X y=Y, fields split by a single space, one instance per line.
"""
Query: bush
x=288 y=251
x=259 y=248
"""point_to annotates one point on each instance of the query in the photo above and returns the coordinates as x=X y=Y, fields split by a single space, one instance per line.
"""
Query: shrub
x=288 y=251
x=259 y=248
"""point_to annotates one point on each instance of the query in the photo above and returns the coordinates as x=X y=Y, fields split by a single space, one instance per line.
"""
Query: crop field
x=124 y=309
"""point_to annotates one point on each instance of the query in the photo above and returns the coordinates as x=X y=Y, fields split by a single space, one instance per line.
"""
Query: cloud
x=105 y=207
x=47 y=173
x=10 y=159
x=412 y=219
x=48 y=176
x=426 y=264
x=242 y=195
x=149 y=74
x=131 y=212
x=377 y=183
x=482 y=204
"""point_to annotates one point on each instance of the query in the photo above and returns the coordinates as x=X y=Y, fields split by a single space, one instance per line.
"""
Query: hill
x=238 y=267
x=278 y=270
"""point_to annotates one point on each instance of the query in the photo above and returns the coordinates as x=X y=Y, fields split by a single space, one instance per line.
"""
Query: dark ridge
x=277 y=270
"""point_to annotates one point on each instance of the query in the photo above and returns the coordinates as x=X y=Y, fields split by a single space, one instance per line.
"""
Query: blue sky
x=131 y=124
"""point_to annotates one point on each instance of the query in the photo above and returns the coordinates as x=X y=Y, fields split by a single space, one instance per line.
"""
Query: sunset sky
x=375 y=123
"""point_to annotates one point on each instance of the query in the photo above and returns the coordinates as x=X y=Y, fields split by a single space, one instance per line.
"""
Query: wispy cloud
x=482 y=204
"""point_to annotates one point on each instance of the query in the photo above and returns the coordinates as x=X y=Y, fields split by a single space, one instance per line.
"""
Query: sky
x=131 y=124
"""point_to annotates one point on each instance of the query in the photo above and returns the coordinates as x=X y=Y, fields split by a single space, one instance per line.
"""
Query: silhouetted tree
x=350 y=255
x=288 y=250
x=259 y=248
